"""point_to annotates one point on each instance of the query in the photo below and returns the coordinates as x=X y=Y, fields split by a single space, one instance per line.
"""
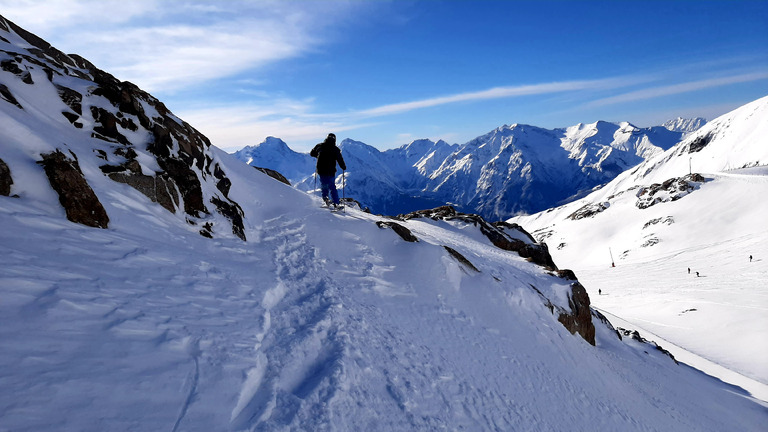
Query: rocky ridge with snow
x=135 y=140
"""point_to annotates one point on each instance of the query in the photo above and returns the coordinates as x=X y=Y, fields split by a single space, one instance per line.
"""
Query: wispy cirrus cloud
x=169 y=45
x=499 y=93
x=679 y=88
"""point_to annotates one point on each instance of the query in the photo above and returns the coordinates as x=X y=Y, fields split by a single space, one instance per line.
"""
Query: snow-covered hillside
x=511 y=169
x=709 y=225
x=207 y=296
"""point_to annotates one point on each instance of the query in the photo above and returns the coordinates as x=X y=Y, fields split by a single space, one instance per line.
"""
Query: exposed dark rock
x=108 y=127
x=6 y=95
x=5 y=179
x=635 y=335
x=72 y=117
x=503 y=235
x=566 y=274
x=75 y=194
x=402 y=231
x=579 y=320
x=669 y=220
x=671 y=190
x=187 y=182
x=699 y=143
x=207 y=230
x=461 y=258
x=274 y=174
x=588 y=210
x=158 y=188
x=234 y=213
x=71 y=98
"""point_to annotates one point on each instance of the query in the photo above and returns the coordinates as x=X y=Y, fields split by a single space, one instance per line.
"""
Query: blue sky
x=388 y=72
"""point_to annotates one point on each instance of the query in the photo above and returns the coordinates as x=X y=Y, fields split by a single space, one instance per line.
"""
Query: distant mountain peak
x=685 y=125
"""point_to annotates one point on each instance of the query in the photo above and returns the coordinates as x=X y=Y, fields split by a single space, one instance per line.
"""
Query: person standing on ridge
x=327 y=155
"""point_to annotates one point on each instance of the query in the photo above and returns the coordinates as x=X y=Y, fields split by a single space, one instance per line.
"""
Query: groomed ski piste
x=320 y=321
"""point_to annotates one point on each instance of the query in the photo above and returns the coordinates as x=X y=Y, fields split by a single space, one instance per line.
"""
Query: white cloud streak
x=686 y=87
x=496 y=93
x=169 y=45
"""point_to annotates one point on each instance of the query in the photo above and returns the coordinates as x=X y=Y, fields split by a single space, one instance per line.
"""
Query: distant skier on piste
x=327 y=155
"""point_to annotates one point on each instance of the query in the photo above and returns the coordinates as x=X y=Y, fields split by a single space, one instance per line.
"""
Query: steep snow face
x=711 y=226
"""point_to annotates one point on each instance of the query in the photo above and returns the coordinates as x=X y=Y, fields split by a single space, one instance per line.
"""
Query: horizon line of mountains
x=517 y=169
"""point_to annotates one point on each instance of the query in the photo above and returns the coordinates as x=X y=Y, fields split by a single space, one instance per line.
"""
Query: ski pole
x=344 y=189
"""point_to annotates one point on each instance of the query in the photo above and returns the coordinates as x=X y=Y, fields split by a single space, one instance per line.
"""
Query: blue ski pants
x=328 y=183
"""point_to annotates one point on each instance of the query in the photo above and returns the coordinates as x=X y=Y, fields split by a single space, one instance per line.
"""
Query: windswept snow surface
x=718 y=320
x=321 y=321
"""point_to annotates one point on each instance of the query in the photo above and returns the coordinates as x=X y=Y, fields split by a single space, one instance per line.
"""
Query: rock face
x=141 y=143
x=671 y=190
x=75 y=195
x=461 y=258
x=5 y=179
x=275 y=175
x=579 y=320
x=402 y=231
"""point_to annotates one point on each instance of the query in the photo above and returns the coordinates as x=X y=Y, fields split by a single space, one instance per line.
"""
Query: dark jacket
x=327 y=155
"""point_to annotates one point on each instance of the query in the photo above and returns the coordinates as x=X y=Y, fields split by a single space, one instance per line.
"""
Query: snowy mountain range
x=697 y=209
x=509 y=170
x=151 y=281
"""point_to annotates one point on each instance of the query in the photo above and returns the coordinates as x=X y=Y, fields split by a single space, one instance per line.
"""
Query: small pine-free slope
x=321 y=321
x=717 y=321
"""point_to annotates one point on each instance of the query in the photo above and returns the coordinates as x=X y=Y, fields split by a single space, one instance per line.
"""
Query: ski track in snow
x=300 y=343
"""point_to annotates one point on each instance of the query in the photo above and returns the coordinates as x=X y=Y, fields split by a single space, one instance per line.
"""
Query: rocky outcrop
x=503 y=235
x=5 y=179
x=589 y=210
x=158 y=188
x=635 y=335
x=75 y=194
x=127 y=120
x=579 y=320
x=274 y=174
x=402 y=231
x=671 y=190
x=699 y=143
x=461 y=259
x=7 y=96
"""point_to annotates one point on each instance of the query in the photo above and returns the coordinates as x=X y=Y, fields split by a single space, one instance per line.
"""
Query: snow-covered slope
x=710 y=225
x=304 y=320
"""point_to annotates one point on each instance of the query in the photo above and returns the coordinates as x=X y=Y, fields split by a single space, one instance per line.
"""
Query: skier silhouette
x=327 y=155
x=750 y=258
